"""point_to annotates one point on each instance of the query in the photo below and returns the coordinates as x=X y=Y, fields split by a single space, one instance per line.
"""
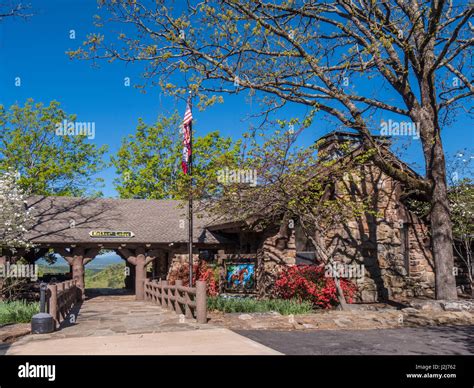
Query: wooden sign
x=111 y=234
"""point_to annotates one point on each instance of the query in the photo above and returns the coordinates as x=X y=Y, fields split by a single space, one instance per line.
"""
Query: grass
x=250 y=305
x=17 y=311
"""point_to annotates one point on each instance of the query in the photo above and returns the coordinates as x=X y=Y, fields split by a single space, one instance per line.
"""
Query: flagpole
x=190 y=200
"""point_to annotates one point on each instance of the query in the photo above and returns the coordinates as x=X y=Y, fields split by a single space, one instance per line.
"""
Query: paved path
x=117 y=324
x=446 y=340
x=200 y=342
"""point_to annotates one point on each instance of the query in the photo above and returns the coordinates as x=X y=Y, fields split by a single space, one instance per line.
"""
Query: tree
x=15 y=217
x=318 y=54
x=461 y=199
x=49 y=160
x=10 y=9
x=297 y=186
x=149 y=162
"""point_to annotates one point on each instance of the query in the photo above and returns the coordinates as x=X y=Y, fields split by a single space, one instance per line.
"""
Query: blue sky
x=34 y=50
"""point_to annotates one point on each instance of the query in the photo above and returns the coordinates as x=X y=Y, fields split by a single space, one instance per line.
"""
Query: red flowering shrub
x=201 y=271
x=308 y=283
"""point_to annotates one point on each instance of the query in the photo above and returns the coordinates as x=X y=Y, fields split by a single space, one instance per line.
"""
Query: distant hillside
x=101 y=261
x=112 y=276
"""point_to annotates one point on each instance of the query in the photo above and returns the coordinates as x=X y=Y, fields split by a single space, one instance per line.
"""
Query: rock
x=410 y=310
x=451 y=306
x=461 y=305
x=309 y=326
x=245 y=317
x=342 y=322
x=426 y=305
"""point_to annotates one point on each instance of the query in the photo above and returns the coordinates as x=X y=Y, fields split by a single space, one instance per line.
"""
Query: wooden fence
x=192 y=302
x=60 y=299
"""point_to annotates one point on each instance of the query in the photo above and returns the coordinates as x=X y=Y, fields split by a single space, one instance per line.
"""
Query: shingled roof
x=70 y=220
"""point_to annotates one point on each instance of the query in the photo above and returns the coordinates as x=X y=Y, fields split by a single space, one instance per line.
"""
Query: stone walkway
x=121 y=314
x=118 y=324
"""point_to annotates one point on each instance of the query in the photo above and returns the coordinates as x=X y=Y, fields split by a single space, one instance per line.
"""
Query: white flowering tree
x=14 y=214
x=461 y=201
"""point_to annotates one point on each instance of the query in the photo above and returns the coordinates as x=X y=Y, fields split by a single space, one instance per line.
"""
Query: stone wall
x=389 y=241
x=391 y=244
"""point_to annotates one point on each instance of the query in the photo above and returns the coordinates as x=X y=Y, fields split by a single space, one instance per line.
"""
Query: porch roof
x=71 y=220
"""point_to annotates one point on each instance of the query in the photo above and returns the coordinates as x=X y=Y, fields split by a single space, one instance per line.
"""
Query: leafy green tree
x=149 y=162
x=48 y=161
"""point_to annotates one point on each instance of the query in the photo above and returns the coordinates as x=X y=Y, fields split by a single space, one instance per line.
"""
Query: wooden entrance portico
x=139 y=231
x=138 y=257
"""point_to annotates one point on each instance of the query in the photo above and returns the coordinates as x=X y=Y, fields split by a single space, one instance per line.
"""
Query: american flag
x=187 y=128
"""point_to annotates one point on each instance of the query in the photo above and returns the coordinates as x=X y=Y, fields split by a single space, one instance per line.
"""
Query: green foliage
x=250 y=305
x=17 y=311
x=149 y=162
x=49 y=164
x=113 y=276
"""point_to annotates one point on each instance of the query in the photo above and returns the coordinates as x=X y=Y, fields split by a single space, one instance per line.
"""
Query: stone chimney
x=338 y=143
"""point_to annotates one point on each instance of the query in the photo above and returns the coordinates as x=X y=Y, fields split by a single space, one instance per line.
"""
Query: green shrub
x=17 y=311
x=250 y=305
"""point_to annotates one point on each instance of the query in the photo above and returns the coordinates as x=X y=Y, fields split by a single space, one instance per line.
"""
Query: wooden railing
x=61 y=297
x=192 y=302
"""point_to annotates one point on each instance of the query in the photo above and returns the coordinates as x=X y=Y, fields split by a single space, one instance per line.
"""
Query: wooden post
x=164 y=283
x=201 y=302
x=78 y=269
x=53 y=303
x=140 y=275
x=158 y=293
x=177 y=294
x=169 y=294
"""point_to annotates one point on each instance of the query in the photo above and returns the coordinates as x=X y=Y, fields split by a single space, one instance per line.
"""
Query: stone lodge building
x=394 y=248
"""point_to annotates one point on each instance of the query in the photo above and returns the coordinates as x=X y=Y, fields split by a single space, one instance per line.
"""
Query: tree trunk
x=441 y=228
x=442 y=235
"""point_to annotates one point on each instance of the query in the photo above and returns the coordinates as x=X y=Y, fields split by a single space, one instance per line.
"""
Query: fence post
x=187 y=308
x=53 y=303
x=201 y=302
x=164 y=303
x=177 y=294
x=158 y=293
x=169 y=294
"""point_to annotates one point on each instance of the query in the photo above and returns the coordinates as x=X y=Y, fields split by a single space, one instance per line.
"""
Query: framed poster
x=240 y=276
